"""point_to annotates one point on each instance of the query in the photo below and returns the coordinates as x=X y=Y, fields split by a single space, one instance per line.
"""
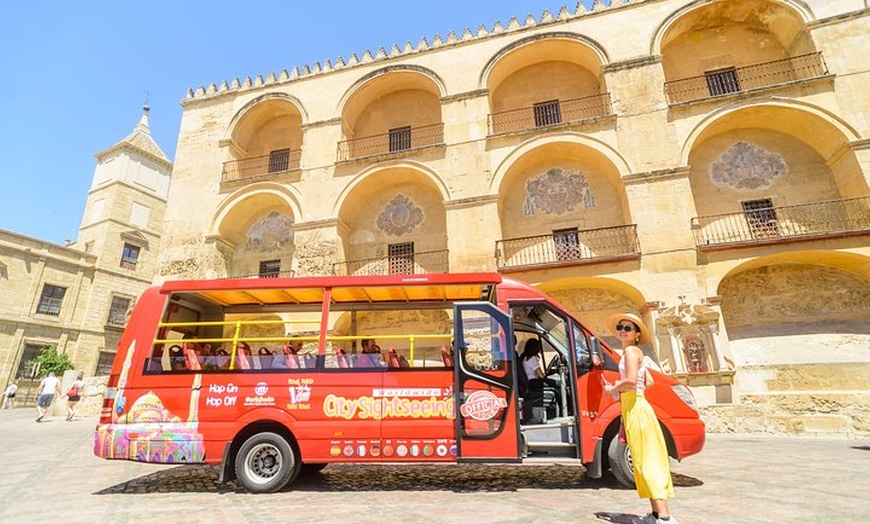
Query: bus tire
x=620 y=462
x=266 y=463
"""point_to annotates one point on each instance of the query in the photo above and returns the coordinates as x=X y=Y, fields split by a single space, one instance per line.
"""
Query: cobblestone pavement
x=49 y=474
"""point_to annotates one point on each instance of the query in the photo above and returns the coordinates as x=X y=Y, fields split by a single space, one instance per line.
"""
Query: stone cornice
x=325 y=223
x=460 y=203
x=130 y=148
x=322 y=123
x=839 y=18
x=458 y=97
x=632 y=63
x=408 y=49
x=658 y=174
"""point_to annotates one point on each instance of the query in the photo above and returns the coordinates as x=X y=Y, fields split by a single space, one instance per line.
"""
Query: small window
x=51 y=299
x=89 y=246
x=279 y=160
x=761 y=217
x=104 y=364
x=118 y=311
x=129 y=256
x=722 y=81
x=401 y=258
x=547 y=113
x=270 y=268
x=28 y=366
x=400 y=138
x=567 y=244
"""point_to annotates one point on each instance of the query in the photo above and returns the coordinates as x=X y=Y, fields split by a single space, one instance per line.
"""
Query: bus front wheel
x=266 y=463
x=620 y=462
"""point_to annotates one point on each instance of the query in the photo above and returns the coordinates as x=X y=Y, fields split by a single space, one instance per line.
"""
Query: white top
x=531 y=365
x=640 y=385
x=49 y=385
x=10 y=389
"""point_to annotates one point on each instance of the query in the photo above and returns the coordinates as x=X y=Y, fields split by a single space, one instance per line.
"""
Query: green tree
x=51 y=361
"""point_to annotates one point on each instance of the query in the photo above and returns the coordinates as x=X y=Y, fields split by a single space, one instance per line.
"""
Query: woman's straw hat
x=614 y=320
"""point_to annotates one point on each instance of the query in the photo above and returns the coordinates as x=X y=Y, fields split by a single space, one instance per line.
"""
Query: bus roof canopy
x=311 y=290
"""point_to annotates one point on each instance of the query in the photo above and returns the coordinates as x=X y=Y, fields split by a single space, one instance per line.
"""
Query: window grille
x=547 y=113
x=400 y=138
x=279 y=160
x=722 y=81
x=28 y=367
x=130 y=256
x=104 y=364
x=401 y=257
x=270 y=268
x=567 y=243
x=761 y=217
x=118 y=311
x=51 y=299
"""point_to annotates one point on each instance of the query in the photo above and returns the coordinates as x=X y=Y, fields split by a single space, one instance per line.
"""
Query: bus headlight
x=685 y=395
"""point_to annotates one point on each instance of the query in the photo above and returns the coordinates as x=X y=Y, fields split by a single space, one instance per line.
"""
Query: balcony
x=396 y=141
x=815 y=220
x=279 y=161
x=567 y=248
x=406 y=264
x=730 y=80
x=551 y=113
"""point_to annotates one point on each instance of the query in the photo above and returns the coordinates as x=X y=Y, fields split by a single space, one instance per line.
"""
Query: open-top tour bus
x=272 y=378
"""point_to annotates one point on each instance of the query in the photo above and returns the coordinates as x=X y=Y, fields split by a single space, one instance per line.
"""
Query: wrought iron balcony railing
x=395 y=141
x=830 y=218
x=287 y=273
x=405 y=264
x=747 y=78
x=258 y=166
x=567 y=247
x=550 y=113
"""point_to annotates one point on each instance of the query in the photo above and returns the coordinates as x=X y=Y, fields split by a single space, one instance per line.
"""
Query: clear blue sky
x=74 y=75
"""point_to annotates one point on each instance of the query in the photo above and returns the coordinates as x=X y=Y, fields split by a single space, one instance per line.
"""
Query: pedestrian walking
x=649 y=454
x=9 y=396
x=48 y=388
x=74 y=395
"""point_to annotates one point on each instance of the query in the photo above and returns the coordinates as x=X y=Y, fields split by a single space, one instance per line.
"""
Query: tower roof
x=140 y=139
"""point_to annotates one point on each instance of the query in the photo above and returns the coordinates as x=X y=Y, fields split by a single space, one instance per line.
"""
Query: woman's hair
x=532 y=348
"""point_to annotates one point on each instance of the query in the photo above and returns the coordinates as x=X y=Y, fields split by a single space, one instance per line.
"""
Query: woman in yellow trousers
x=649 y=453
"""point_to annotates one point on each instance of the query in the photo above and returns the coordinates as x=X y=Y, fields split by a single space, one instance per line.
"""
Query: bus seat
x=342 y=359
x=291 y=361
x=393 y=358
x=191 y=359
x=243 y=355
x=403 y=362
x=446 y=358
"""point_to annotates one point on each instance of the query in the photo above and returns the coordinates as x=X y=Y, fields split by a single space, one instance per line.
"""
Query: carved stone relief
x=269 y=234
x=793 y=293
x=192 y=258
x=747 y=167
x=557 y=192
x=400 y=217
x=315 y=257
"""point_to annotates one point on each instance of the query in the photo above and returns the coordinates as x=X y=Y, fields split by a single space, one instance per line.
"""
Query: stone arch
x=811 y=145
x=599 y=147
x=238 y=208
x=592 y=53
x=436 y=180
x=257 y=112
x=393 y=215
x=797 y=9
x=373 y=85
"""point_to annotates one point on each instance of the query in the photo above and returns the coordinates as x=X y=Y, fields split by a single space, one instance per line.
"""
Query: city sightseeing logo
x=482 y=405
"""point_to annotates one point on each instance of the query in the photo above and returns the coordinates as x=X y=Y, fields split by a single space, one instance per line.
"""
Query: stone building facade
x=77 y=297
x=702 y=163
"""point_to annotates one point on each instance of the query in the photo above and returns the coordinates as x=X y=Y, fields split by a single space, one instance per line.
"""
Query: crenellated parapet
x=397 y=51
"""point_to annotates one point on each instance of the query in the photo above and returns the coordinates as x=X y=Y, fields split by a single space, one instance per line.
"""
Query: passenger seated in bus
x=371 y=355
x=243 y=356
x=206 y=357
x=221 y=358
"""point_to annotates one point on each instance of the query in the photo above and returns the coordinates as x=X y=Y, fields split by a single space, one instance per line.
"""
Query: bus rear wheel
x=266 y=463
x=620 y=462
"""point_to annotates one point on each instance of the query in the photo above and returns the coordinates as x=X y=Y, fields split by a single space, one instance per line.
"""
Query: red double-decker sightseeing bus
x=273 y=378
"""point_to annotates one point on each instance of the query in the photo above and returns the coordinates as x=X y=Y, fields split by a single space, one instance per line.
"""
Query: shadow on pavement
x=345 y=477
x=618 y=518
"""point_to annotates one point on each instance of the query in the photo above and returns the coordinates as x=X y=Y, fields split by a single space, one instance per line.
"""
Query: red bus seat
x=446 y=358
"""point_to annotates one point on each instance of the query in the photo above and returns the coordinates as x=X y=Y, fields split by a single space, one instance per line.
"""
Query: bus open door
x=486 y=403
